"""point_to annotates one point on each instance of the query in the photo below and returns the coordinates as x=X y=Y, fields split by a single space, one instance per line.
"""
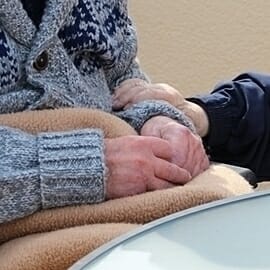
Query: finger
x=161 y=148
x=197 y=154
x=141 y=95
x=161 y=94
x=193 y=151
x=157 y=184
x=133 y=82
x=206 y=162
x=200 y=160
x=192 y=155
x=148 y=94
x=202 y=166
x=128 y=84
x=171 y=172
x=122 y=89
x=129 y=105
x=166 y=93
x=125 y=95
x=197 y=169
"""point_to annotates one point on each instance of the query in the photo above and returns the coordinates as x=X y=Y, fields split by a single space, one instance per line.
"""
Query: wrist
x=198 y=116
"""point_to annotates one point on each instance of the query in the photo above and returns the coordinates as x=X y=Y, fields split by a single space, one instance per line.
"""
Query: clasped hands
x=166 y=154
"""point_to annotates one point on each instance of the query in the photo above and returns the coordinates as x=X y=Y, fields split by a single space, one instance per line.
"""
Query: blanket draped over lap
x=56 y=238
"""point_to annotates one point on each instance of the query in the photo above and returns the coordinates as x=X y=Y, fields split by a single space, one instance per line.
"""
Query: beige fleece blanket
x=56 y=238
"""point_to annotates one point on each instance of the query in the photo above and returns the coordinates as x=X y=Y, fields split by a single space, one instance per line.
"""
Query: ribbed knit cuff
x=221 y=115
x=72 y=168
x=138 y=114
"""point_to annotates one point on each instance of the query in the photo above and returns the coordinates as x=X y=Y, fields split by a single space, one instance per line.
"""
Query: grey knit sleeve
x=49 y=170
x=139 y=113
x=134 y=71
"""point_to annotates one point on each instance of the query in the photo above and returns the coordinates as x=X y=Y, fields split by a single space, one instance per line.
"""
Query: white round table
x=228 y=234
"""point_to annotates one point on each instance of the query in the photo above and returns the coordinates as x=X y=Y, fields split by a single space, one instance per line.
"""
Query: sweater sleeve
x=134 y=71
x=238 y=112
x=49 y=170
x=139 y=113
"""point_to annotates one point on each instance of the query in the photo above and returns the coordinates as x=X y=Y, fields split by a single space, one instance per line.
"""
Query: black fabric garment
x=239 y=116
x=35 y=9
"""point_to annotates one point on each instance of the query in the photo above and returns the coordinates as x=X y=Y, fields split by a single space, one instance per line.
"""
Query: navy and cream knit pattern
x=9 y=72
x=81 y=51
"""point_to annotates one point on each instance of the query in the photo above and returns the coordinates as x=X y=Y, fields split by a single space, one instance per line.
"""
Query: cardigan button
x=41 y=61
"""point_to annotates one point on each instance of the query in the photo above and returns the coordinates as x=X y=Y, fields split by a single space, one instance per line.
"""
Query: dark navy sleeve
x=239 y=118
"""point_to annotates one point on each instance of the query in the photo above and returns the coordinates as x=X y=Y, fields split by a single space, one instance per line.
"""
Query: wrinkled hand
x=137 y=164
x=188 y=150
x=135 y=90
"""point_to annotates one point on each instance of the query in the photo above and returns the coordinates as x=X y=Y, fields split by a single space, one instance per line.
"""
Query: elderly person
x=74 y=53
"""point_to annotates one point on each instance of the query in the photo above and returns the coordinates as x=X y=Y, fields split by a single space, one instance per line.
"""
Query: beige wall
x=193 y=44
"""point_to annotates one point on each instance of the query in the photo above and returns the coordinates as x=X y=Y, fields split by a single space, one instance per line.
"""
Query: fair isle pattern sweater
x=81 y=51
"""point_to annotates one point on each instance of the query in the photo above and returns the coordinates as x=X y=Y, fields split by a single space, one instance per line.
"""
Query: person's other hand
x=133 y=91
x=137 y=164
x=188 y=150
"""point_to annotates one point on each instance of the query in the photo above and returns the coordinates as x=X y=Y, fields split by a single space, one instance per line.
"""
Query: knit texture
x=92 y=50
x=91 y=47
x=49 y=170
x=75 y=162
x=56 y=238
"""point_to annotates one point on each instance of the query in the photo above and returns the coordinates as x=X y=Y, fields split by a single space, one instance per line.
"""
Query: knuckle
x=185 y=131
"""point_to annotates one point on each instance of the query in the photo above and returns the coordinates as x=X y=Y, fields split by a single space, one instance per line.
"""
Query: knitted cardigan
x=82 y=50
